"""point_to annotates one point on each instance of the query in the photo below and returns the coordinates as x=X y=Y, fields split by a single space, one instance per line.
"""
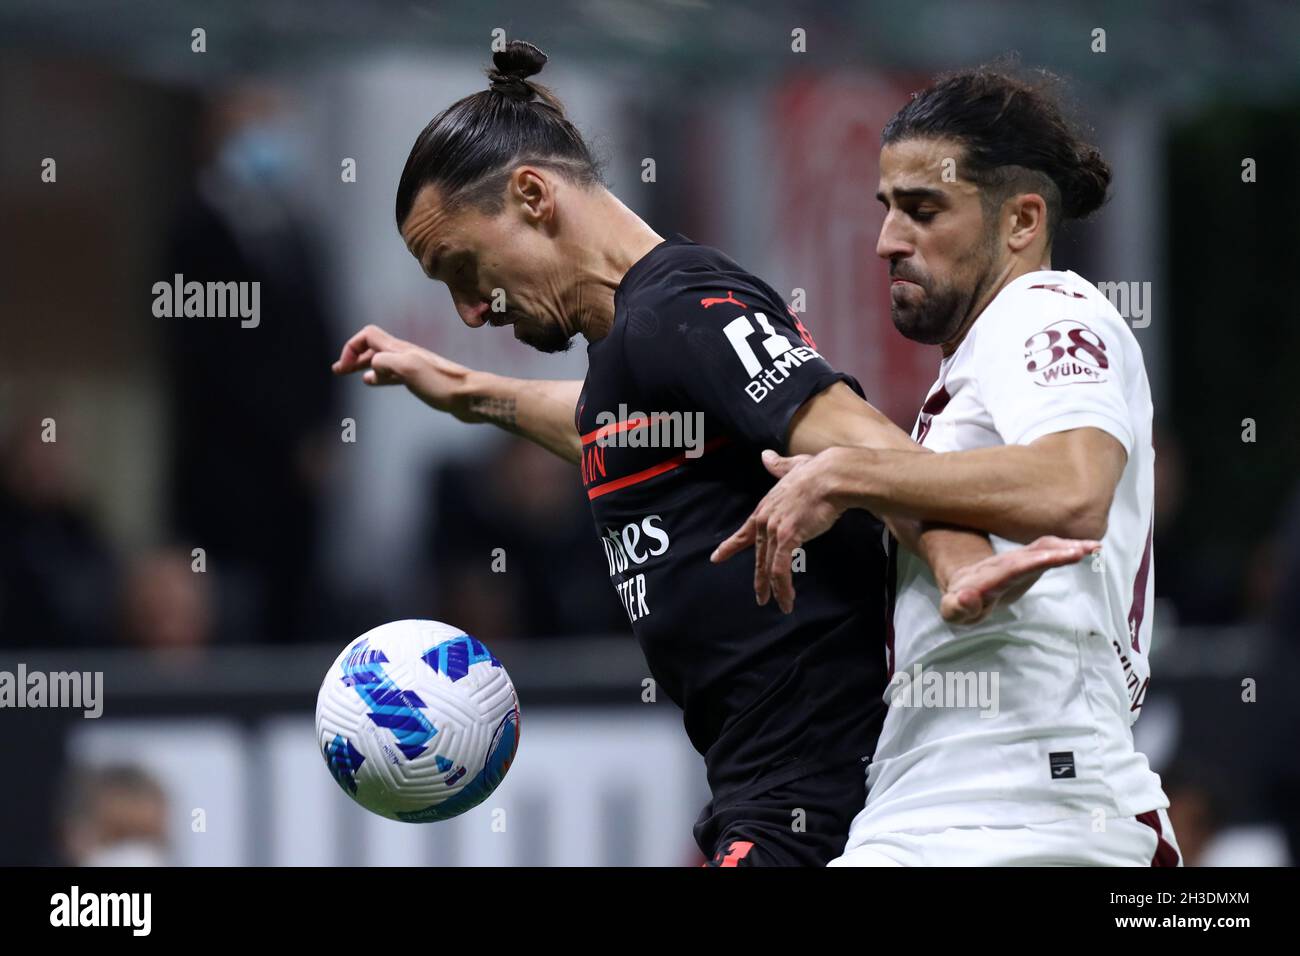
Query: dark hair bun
x=1086 y=183
x=511 y=68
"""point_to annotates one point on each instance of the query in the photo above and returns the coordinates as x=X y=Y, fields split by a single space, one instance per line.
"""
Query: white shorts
x=1145 y=840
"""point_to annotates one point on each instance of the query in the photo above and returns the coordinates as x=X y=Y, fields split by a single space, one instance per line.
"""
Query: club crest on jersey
x=1067 y=352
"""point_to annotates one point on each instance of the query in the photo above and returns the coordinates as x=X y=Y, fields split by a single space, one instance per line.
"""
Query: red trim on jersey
x=935 y=404
x=891 y=598
x=645 y=474
x=737 y=851
x=799 y=327
x=1165 y=854
x=1056 y=288
x=613 y=428
x=1137 y=610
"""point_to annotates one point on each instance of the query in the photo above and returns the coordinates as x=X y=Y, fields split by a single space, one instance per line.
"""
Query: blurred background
x=201 y=512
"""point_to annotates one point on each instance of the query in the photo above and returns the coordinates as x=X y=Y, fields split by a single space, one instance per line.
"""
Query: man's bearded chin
x=547 y=337
x=935 y=319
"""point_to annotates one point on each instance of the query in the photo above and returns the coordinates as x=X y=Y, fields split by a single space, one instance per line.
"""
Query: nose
x=471 y=313
x=891 y=244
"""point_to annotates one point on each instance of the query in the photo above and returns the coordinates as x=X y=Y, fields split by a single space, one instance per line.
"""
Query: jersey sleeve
x=734 y=352
x=1050 y=363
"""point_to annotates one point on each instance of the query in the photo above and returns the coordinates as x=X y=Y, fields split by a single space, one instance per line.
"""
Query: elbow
x=1085 y=517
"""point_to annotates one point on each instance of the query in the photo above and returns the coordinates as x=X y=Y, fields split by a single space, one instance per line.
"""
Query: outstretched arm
x=805 y=504
x=1062 y=483
x=839 y=417
x=537 y=409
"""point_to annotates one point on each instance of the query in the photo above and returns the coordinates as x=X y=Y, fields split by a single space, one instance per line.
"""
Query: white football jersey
x=1064 y=670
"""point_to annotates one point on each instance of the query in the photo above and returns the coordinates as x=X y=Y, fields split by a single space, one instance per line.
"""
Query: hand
x=797 y=509
x=976 y=590
x=387 y=360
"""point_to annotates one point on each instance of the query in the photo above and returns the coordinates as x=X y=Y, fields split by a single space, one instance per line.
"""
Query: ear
x=533 y=192
x=1028 y=212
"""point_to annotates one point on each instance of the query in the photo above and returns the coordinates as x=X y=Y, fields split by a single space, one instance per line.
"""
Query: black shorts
x=768 y=830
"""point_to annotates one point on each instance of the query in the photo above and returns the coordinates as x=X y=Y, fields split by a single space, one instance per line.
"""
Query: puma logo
x=730 y=297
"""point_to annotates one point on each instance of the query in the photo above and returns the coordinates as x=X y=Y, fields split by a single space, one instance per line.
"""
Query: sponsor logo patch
x=1067 y=352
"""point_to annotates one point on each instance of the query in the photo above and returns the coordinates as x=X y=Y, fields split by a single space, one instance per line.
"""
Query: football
x=417 y=721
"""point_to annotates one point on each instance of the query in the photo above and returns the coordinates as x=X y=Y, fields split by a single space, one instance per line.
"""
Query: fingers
x=1008 y=569
x=775 y=464
x=1016 y=571
x=964 y=606
x=762 y=585
x=781 y=572
x=1054 y=557
x=742 y=539
x=387 y=368
x=1052 y=543
x=1006 y=576
x=350 y=359
x=359 y=351
x=949 y=609
x=779 y=466
x=1016 y=564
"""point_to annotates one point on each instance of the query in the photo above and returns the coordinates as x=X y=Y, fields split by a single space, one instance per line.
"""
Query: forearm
x=1011 y=490
x=945 y=549
x=540 y=410
x=838 y=419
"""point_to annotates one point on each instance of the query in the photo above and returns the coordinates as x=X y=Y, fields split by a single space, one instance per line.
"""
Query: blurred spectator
x=1187 y=577
x=113 y=816
x=1286 y=605
x=525 y=501
x=1195 y=810
x=56 y=571
x=165 y=603
x=252 y=414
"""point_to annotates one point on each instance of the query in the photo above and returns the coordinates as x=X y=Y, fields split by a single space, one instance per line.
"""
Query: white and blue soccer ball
x=417 y=721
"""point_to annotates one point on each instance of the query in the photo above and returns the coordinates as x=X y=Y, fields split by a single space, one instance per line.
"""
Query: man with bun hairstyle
x=500 y=193
x=1042 y=416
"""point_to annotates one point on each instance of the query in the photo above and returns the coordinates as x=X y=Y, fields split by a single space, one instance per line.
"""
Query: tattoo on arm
x=498 y=411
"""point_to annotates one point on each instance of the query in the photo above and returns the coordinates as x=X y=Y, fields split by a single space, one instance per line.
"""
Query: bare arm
x=537 y=409
x=1060 y=484
x=839 y=417
x=811 y=496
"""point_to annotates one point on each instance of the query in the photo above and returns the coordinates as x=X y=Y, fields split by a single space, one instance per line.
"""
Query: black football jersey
x=703 y=368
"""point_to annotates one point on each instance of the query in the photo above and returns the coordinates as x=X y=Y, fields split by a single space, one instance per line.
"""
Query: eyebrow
x=915 y=192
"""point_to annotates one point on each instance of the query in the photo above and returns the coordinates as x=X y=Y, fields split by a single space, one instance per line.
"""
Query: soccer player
x=500 y=199
x=1042 y=415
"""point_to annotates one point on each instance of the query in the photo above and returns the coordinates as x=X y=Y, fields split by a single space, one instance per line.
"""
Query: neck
x=1012 y=270
x=612 y=239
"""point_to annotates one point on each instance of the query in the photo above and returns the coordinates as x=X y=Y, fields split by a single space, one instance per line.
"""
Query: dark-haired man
x=499 y=200
x=1043 y=414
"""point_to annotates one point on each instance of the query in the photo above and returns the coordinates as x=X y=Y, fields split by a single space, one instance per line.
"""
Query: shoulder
x=684 y=274
x=1045 y=309
x=687 y=296
x=1049 y=333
